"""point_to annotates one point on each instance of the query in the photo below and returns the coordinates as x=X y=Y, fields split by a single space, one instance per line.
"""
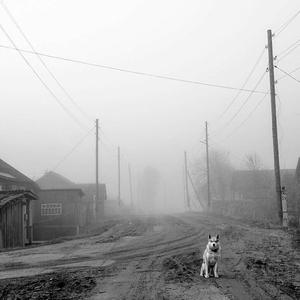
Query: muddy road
x=150 y=257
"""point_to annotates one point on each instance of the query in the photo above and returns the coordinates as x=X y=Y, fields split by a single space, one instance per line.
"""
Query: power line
x=291 y=72
x=288 y=53
x=244 y=84
x=247 y=118
x=287 y=74
x=288 y=48
x=42 y=61
x=245 y=102
x=41 y=80
x=134 y=72
x=73 y=148
x=286 y=24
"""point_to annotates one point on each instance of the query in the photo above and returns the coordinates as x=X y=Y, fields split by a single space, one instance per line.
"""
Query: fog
x=153 y=120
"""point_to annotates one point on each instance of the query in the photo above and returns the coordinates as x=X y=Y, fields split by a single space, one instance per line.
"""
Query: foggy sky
x=153 y=120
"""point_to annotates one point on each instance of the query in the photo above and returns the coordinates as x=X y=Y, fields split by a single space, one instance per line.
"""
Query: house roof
x=9 y=173
x=8 y=196
x=52 y=180
x=81 y=193
x=55 y=181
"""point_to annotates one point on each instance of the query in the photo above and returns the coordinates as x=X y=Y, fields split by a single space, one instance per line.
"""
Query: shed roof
x=9 y=173
x=8 y=196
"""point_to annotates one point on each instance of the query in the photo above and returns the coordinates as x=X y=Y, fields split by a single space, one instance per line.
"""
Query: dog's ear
x=218 y=237
x=209 y=236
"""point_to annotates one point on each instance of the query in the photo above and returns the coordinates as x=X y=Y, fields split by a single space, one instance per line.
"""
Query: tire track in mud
x=143 y=277
x=168 y=245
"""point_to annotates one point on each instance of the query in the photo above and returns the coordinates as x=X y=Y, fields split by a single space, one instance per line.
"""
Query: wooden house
x=59 y=212
x=15 y=218
x=53 y=180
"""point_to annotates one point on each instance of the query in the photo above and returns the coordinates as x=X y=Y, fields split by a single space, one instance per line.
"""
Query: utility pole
x=97 y=169
x=274 y=126
x=184 y=187
x=119 y=177
x=194 y=188
x=186 y=181
x=207 y=166
x=130 y=185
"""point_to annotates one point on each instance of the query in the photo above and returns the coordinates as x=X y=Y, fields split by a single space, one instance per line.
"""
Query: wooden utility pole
x=186 y=181
x=274 y=126
x=184 y=187
x=97 y=168
x=194 y=188
x=207 y=167
x=119 y=177
x=130 y=185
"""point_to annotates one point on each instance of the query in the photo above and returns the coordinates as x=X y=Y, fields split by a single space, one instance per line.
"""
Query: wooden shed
x=15 y=218
x=59 y=212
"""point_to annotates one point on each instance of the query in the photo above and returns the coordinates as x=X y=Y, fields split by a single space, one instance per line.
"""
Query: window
x=51 y=209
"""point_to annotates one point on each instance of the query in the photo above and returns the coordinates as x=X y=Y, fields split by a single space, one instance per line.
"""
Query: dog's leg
x=202 y=270
x=206 y=269
x=216 y=270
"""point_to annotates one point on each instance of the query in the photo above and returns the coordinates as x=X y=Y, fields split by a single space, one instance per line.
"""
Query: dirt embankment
x=62 y=285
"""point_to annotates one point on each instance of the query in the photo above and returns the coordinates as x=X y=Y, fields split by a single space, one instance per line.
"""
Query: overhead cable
x=288 y=48
x=43 y=62
x=287 y=74
x=41 y=80
x=247 y=118
x=287 y=53
x=177 y=79
x=73 y=148
x=287 y=23
x=244 y=84
x=245 y=102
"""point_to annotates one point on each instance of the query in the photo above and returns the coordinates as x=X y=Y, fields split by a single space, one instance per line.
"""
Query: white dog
x=211 y=256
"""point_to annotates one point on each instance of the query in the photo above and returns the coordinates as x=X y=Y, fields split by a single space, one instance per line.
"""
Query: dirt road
x=157 y=258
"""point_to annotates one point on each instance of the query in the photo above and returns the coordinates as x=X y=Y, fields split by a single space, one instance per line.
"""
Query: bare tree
x=221 y=171
x=253 y=162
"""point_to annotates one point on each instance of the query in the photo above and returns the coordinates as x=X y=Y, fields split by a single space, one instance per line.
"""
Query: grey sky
x=153 y=120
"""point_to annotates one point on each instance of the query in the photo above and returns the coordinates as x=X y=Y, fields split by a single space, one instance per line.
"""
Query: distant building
x=59 y=212
x=259 y=184
x=296 y=201
x=255 y=190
